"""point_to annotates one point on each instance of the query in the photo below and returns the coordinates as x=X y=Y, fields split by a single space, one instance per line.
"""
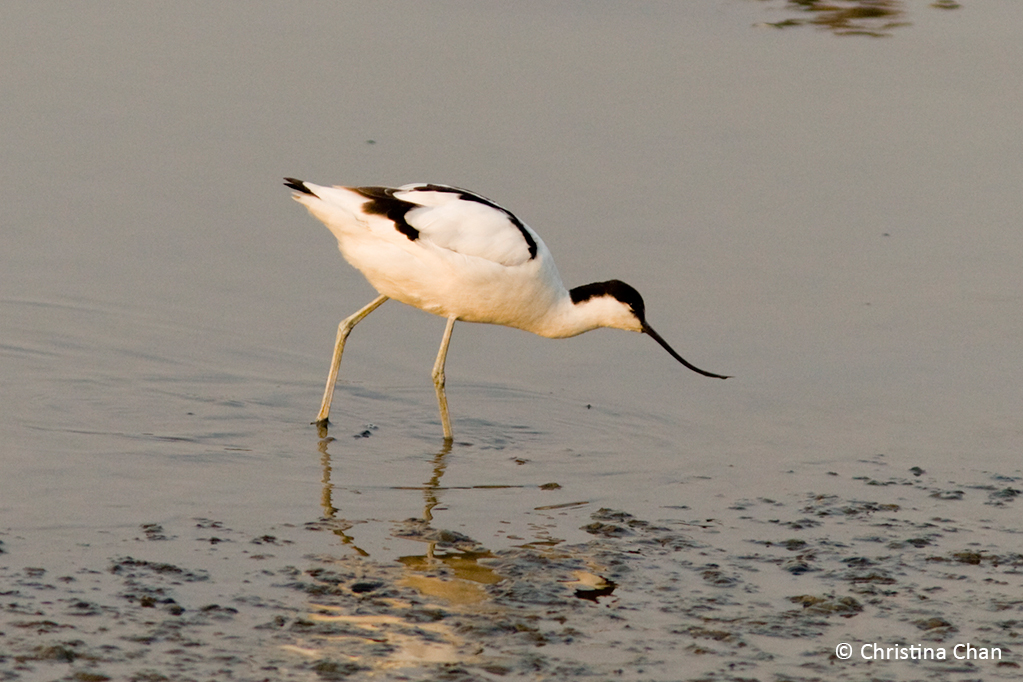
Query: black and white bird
x=461 y=256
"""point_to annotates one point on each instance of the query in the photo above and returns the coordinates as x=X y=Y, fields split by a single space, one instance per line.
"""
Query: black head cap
x=614 y=288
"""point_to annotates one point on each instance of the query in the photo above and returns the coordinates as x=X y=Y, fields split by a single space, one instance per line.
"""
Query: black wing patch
x=470 y=196
x=383 y=202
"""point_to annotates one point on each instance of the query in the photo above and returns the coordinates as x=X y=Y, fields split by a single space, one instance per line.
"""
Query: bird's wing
x=466 y=223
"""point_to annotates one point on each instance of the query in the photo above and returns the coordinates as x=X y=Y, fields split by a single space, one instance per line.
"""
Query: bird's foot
x=321 y=426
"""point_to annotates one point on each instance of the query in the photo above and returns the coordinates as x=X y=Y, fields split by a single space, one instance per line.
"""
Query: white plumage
x=459 y=255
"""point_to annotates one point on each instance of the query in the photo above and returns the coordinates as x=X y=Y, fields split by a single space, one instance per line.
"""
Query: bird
x=463 y=257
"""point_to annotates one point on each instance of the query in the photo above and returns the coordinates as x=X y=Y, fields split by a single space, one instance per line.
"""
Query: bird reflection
x=431 y=487
x=445 y=549
x=875 y=18
x=458 y=553
x=431 y=498
x=327 y=500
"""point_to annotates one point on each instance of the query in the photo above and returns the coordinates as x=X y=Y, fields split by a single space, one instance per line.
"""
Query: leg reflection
x=327 y=500
x=431 y=487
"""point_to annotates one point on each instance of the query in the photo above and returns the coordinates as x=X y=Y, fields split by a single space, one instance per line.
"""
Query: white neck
x=565 y=318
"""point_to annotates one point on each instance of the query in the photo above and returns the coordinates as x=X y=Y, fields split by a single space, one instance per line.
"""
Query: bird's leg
x=438 y=378
x=343 y=330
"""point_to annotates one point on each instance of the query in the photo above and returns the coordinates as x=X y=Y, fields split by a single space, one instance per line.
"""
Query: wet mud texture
x=760 y=589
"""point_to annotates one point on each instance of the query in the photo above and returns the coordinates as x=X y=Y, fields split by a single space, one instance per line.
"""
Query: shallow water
x=831 y=218
x=765 y=586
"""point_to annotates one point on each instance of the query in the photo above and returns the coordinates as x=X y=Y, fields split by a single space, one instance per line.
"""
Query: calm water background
x=835 y=220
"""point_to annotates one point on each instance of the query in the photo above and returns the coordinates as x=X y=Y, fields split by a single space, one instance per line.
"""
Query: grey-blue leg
x=343 y=330
x=438 y=378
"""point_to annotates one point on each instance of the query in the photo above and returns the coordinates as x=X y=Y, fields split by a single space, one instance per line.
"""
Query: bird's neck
x=566 y=318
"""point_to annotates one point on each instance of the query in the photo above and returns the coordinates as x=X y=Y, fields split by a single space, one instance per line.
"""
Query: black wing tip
x=298 y=186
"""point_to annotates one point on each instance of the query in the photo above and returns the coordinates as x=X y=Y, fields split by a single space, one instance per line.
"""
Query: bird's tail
x=298 y=186
x=338 y=208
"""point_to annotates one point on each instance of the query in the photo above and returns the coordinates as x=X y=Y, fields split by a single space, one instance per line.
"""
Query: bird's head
x=616 y=304
x=612 y=304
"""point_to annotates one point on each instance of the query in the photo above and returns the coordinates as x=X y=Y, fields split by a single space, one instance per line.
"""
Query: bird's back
x=451 y=218
x=442 y=249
